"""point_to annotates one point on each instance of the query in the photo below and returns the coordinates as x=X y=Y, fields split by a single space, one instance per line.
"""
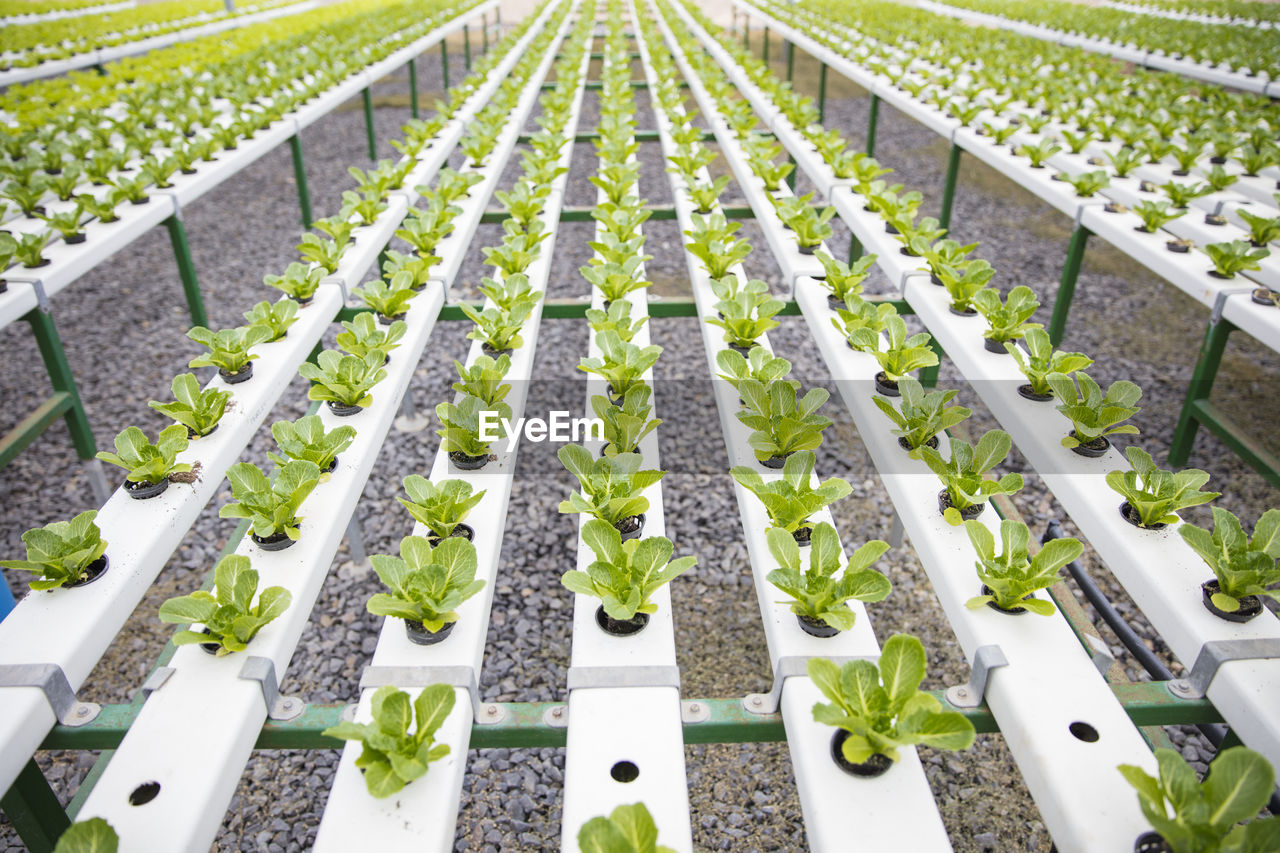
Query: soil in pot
x=1148 y=186
x=244 y=375
x=1129 y=514
x=885 y=386
x=277 y=541
x=630 y=527
x=906 y=445
x=969 y=512
x=965 y=312
x=1265 y=296
x=192 y=435
x=74 y=239
x=495 y=353
x=461 y=531
x=1219 y=275
x=815 y=627
x=91 y=573
x=991 y=345
x=1013 y=611
x=803 y=536
x=621 y=627
x=775 y=461
x=142 y=491
x=889 y=229
x=1250 y=605
x=465 y=462
x=1114 y=207
x=1215 y=219
x=1026 y=391
x=934 y=280
x=876 y=765
x=1180 y=247
x=741 y=350
x=835 y=303
x=341 y=411
x=1142 y=229
x=807 y=250
x=1094 y=449
x=329 y=469
x=1151 y=842
x=420 y=636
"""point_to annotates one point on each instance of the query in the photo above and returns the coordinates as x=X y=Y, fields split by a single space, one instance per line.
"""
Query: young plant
x=1207 y=815
x=1124 y=161
x=792 y=499
x=148 y=463
x=483 y=379
x=1262 y=229
x=197 y=409
x=228 y=348
x=963 y=475
x=343 y=380
x=1039 y=153
x=512 y=291
x=1087 y=183
x=748 y=315
x=758 y=364
x=705 y=196
x=277 y=317
x=389 y=299
x=818 y=595
x=919 y=416
x=1012 y=576
x=94 y=835
x=30 y=248
x=1093 y=414
x=463 y=432
x=1042 y=360
x=393 y=757
x=1008 y=319
x=229 y=615
x=305 y=440
x=1243 y=565
x=441 y=507
x=299 y=281
x=1153 y=495
x=902 y=355
x=427 y=583
x=781 y=421
x=366 y=335
x=498 y=330
x=622 y=364
x=1181 y=195
x=325 y=253
x=810 y=226
x=714 y=244
x=612 y=486
x=626 y=423
x=964 y=282
x=625 y=575
x=882 y=707
x=844 y=280
x=615 y=280
x=270 y=504
x=1156 y=214
x=62 y=552
x=1234 y=256
x=616 y=319
x=629 y=829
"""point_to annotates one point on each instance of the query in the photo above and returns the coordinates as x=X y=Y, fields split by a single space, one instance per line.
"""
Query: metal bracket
x=1100 y=653
x=52 y=681
x=263 y=671
x=786 y=667
x=1220 y=302
x=1081 y=208
x=155 y=680
x=694 y=712
x=483 y=713
x=970 y=695
x=581 y=677
x=42 y=298
x=1213 y=655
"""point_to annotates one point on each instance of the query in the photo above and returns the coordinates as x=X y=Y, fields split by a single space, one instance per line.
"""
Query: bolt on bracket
x=1213 y=655
x=483 y=713
x=263 y=671
x=49 y=679
x=971 y=695
x=786 y=667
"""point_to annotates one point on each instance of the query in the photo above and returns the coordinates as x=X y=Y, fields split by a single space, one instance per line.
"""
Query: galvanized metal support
x=1067 y=285
x=186 y=270
x=873 y=118
x=949 y=188
x=355 y=541
x=33 y=809
x=300 y=178
x=413 y=87
x=367 y=96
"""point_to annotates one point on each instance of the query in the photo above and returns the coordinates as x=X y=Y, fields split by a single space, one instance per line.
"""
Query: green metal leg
x=33 y=809
x=822 y=92
x=1067 y=286
x=413 y=87
x=746 y=33
x=186 y=270
x=1199 y=388
x=872 y=120
x=949 y=191
x=367 y=96
x=855 y=248
x=484 y=32
x=55 y=362
x=466 y=46
x=791 y=61
x=444 y=65
x=766 y=45
x=929 y=375
x=791 y=178
x=300 y=178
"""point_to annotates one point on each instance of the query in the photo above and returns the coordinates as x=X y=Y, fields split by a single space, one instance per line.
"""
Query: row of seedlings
x=440 y=587
x=72 y=630
x=1185 y=611
x=819 y=636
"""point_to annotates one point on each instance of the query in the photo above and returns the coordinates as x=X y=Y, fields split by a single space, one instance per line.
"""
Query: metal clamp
x=52 y=681
x=786 y=667
x=1213 y=655
x=483 y=713
x=1220 y=302
x=970 y=695
x=1101 y=653
x=263 y=671
x=1086 y=204
x=155 y=680
x=581 y=677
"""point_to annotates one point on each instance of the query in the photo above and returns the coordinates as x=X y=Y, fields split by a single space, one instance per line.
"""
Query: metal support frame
x=791 y=60
x=483 y=713
x=787 y=666
x=413 y=87
x=50 y=680
x=949 y=188
x=822 y=92
x=766 y=45
x=186 y=269
x=973 y=694
x=466 y=46
x=444 y=65
x=34 y=810
x=367 y=96
x=263 y=671
x=1213 y=654
x=873 y=118
x=300 y=178
x=1067 y=284
x=484 y=33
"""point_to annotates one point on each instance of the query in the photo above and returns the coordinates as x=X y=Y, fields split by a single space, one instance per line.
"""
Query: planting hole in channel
x=1084 y=732
x=625 y=771
x=144 y=793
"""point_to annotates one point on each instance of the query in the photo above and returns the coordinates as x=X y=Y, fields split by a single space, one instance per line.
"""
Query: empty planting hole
x=144 y=793
x=1084 y=732
x=625 y=771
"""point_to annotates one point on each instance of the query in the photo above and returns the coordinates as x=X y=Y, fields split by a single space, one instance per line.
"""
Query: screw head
x=492 y=710
x=557 y=712
x=962 y=692
x=82 y=711
x=757 y=700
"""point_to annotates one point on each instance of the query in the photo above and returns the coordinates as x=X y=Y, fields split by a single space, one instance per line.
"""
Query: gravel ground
x=742 y=795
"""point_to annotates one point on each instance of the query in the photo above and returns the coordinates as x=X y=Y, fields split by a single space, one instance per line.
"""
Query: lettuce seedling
x=327 y=254
x=67 y=224
x=818 y=595
x=963 y=477
x=1207 y=815
x=516 y=254
x=861 y=315
x=1154 y=495
x=705 y=196
x=1181 y=195
x=719 y=254
x=94 y=835
x=228 y=348
x=276 y=317
x=306 y=440
x=524 y=202
x=389 y=299
x=612 y=486
x=344 y=380
x=621 y=363
x=1124 y=161
x=902 y=354
x=1234 y=256
x=615 y=280
x=1012 y=576
x=1086 y=183
x=30 y=248
x=781 y=421
x=146 y=462
x=229 y=615
x=299 y=281
x=626 y=424
x=1007 y=319
x=440 y=507
x=1042 y=360
x=748 y=315
x=810 y=226
x=964 y=282
x=197 y=409
x=625 y=575
x=759 y=364
x=629 y=829
x=392 y=757
x=623 y=221
x=792 y=499
x=881 y=705
x=61 y=552
x=1156 y=214
x=461 y=422
x=270 y=504
x=365 y=335
x=1243 y=565
x=1262 y=229
x=483 y=379
x=511 y=291
x=919 y=416
x=844 y=280
x=427 y=583
x=1094 y=415
x=497 y=329
x=616 y=319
